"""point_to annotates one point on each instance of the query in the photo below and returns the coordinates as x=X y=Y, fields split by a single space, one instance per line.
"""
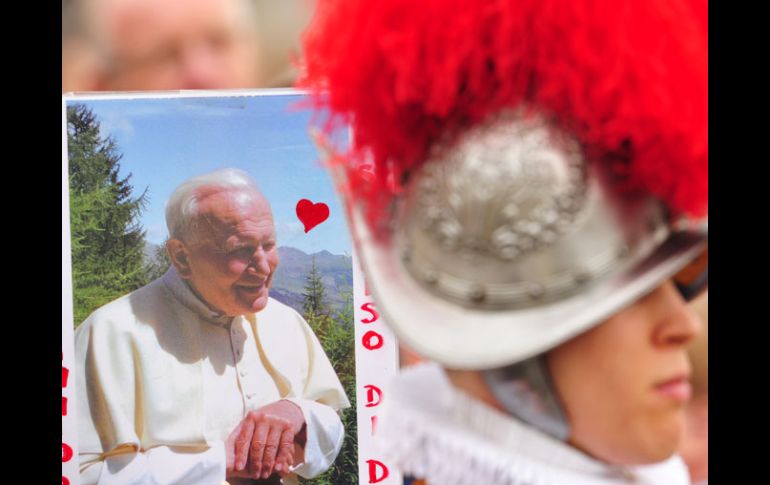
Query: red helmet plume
x=627 y=78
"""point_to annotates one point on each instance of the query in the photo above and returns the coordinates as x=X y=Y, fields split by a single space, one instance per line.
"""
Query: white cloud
x=289 y=230
x=114 y=124
x=156 y=233
x=214 y=107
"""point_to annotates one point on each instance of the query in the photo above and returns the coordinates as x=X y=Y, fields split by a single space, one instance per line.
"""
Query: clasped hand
x=263 y=442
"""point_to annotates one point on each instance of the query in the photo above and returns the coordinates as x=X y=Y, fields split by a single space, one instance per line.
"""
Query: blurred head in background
x=138 y=45
x=280 y=25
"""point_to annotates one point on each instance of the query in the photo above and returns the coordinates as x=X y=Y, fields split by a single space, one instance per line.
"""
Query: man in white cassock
x=200 y=377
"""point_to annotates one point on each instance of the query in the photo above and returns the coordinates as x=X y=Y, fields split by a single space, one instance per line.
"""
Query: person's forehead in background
x=174 y=44
x=268 y=61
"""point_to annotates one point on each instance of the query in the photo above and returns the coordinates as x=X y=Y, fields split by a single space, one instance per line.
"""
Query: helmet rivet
x=581 y=278
x=623 y=251
x=535 y=291
x=477 y=294
x=430 y=277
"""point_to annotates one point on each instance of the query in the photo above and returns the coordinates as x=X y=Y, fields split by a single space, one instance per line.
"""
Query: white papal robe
x=162 y=381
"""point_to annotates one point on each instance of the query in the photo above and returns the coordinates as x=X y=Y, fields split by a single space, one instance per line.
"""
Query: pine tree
x=336 y=333
x=158 y=263
x=314 y=302
x=107 y=240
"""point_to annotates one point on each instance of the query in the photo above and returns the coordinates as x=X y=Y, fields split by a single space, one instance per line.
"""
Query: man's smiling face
x=231 y=255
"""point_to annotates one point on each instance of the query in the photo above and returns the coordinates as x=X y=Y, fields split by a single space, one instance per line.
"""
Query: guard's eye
x=693 y=279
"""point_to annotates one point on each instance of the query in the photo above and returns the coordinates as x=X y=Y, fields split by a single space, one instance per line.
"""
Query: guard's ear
x=179 y=256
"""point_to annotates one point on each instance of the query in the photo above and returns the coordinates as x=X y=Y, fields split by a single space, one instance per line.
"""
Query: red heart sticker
x=311 y=214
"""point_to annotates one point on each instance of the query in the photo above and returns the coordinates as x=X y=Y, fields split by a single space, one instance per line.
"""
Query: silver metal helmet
x=508 y=242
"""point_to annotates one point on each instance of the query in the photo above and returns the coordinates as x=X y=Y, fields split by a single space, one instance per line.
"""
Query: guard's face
x=232 y=256
x=624 y=383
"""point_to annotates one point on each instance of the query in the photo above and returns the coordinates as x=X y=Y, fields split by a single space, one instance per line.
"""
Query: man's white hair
x=182 y=206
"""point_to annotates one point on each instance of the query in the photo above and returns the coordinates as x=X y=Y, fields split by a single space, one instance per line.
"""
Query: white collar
x=432 y=430
x=182 y=292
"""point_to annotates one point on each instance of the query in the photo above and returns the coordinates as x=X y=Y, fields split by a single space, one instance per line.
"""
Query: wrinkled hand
x=263 y=442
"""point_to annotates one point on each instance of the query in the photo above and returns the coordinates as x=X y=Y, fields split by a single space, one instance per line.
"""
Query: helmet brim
x=474 y=339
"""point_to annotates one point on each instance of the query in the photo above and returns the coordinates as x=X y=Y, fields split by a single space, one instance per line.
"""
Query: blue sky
x=165 y=141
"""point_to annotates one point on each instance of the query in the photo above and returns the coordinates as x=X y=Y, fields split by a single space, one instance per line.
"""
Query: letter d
x=373 y=465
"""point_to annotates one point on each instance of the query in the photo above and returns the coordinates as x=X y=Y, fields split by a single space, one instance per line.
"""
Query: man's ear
x=179 y=256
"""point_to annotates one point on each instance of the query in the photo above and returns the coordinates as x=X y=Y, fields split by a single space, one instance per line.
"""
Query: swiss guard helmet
x=520 y=170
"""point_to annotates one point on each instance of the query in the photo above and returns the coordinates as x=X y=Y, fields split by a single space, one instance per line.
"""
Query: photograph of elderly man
x=201 y=375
